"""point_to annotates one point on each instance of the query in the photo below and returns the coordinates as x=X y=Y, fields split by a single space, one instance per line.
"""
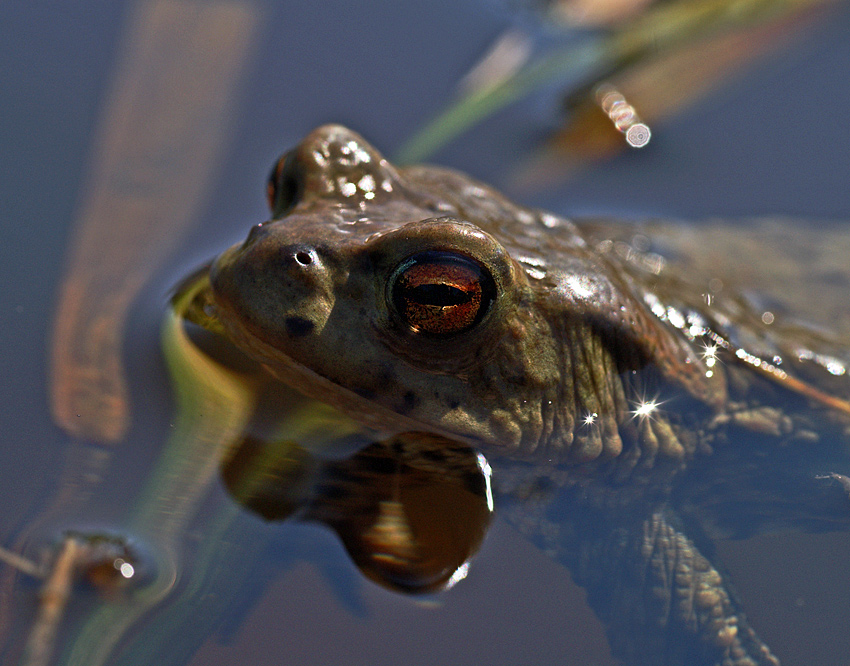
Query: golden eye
x=284 y=186
x=442 y=293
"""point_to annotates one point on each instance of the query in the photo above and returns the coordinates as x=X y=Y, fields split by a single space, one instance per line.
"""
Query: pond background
x=774 y=140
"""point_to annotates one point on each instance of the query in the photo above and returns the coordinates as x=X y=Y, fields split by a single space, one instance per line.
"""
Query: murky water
x=774 y=141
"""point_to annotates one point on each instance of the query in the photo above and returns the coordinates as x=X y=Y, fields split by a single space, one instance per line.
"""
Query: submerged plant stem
x=53 y=599
x=20 y=563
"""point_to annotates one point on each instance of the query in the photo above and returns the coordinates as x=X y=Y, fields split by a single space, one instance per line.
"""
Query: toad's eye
x=441 y=293
x=285 y=184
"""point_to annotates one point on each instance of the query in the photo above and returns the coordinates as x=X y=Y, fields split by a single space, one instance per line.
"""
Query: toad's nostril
x=298 y=327
x=303 y=258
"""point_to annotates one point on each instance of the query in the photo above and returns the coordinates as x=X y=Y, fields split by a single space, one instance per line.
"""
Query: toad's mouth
x=366 y=409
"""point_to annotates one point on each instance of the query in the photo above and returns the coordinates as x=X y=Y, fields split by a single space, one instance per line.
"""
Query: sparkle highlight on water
x=623 y=115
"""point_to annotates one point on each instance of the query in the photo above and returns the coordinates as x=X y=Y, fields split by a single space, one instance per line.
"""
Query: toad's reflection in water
x=629 y=418
x=410 y=510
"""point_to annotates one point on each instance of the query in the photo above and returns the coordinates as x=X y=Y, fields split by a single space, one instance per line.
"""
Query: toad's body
x=555 y=329
x=417 y=299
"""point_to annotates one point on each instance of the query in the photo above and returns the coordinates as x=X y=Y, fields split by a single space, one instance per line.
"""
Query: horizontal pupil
x=440 y=295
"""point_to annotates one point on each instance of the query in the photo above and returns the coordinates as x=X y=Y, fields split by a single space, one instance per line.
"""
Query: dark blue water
x=774 y=140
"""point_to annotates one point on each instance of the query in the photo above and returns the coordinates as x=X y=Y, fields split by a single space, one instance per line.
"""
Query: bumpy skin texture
x=616 y=405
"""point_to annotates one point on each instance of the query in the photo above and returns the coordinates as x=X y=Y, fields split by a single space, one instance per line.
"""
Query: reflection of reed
x=181 y=479
x=159 y=142
x=161 y=136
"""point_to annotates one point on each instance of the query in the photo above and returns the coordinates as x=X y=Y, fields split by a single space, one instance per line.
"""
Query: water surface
x=774 y=141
